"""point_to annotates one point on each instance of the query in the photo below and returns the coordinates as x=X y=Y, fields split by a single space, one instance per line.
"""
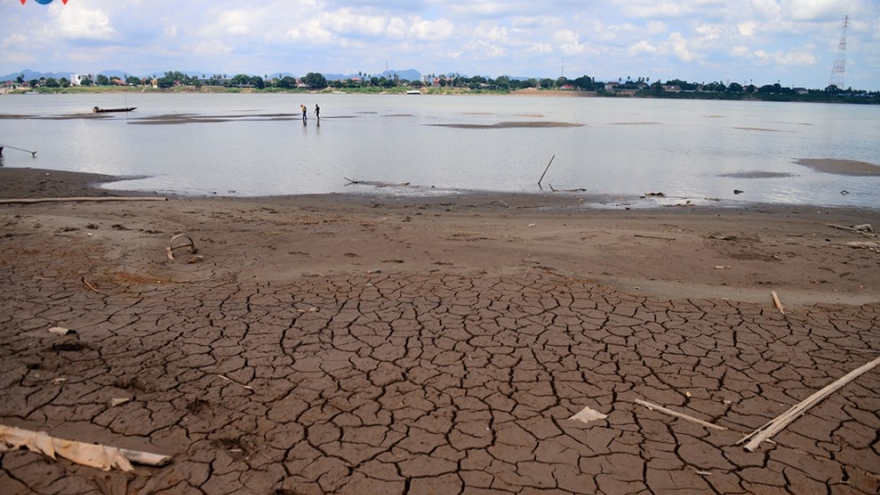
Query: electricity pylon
x=839 y=70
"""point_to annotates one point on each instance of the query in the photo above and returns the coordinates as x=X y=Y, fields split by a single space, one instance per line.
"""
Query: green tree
x=240 y=80
x=585 y=83
x=503 y=83
x=134 y=81
x=64 y=82
x=102 y=80
x=315 y=80
x=286 y=82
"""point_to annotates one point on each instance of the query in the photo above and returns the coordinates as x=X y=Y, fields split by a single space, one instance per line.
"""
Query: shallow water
x=256 y=144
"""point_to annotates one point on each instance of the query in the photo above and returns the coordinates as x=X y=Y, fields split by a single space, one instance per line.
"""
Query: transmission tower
x=839 y=70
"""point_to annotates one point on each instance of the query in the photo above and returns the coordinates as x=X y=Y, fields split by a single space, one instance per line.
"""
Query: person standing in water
x=317 y=112
x=303 y=107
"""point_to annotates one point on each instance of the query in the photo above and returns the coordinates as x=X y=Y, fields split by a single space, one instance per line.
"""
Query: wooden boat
x=104 y=110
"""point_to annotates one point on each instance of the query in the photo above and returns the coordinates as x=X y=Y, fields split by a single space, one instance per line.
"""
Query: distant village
x=446 y=83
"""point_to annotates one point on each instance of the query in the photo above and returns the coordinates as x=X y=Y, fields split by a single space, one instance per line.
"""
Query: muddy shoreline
x=377 y=344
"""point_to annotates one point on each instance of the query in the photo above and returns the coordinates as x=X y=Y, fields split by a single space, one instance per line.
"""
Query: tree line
x=639 y=86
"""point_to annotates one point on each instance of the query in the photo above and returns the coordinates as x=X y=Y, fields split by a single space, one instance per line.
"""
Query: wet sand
x=376 y=344
x=841 y=167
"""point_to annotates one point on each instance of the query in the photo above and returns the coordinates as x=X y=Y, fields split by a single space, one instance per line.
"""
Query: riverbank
x=737 y=253
x=377 y=344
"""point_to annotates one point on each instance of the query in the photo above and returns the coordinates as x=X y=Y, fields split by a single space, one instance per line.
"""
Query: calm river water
x=256 y=144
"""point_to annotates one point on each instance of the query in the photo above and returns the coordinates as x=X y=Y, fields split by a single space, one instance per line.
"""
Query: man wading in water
x=303 y=107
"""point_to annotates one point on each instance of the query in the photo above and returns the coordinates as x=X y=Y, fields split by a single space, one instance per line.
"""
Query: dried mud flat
x=339 y=344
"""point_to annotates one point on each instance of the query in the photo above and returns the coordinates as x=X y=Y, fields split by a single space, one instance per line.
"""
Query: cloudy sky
x=794 y=42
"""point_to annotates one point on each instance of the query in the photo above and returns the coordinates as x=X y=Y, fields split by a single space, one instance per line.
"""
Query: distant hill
x=30 y=74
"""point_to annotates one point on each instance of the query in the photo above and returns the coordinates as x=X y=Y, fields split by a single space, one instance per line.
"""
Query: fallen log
x=80 y=199
x=87 y=454
x=776 y=425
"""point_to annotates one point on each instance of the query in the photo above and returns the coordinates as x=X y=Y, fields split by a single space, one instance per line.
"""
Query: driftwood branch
x=187 y=243
x=545 y=170
x=776 y=302
x=776 y=425
x=579 y=189
x=375 y=183
x=655 y=407
x=87 y=454
x=80 y=199
x=654 y=237
x=864 y=229
x=90 y=286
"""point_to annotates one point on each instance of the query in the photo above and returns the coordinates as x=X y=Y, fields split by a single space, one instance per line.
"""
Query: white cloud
x=656 y=27
x=569 y=42
x=346 y=21
x=781 y=57
x=211 y=49
x=678 y=45
x=818 y=10
x=739 y=51
x=432 y=30
x=667 y=9
x=82 y=24
x=766 y=8
x=641 y=48
x=747 y=28
x=311 y=31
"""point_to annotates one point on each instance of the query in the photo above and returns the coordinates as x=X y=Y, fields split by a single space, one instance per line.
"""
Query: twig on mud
x=655 y=407
x=90 y=286
x=654 y=237
x=235 y=382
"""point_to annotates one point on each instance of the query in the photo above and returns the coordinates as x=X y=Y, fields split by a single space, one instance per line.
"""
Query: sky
x=793 y=42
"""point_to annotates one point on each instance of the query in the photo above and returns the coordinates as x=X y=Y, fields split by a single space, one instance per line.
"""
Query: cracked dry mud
x=405 y=382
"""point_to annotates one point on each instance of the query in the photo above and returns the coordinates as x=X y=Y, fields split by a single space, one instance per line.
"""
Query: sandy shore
x=740 y=254
x=343 y=343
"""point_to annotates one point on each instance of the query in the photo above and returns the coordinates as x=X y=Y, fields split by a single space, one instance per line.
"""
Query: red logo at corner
x=44 y=2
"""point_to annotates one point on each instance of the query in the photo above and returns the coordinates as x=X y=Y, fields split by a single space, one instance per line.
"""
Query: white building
x=77 y=79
